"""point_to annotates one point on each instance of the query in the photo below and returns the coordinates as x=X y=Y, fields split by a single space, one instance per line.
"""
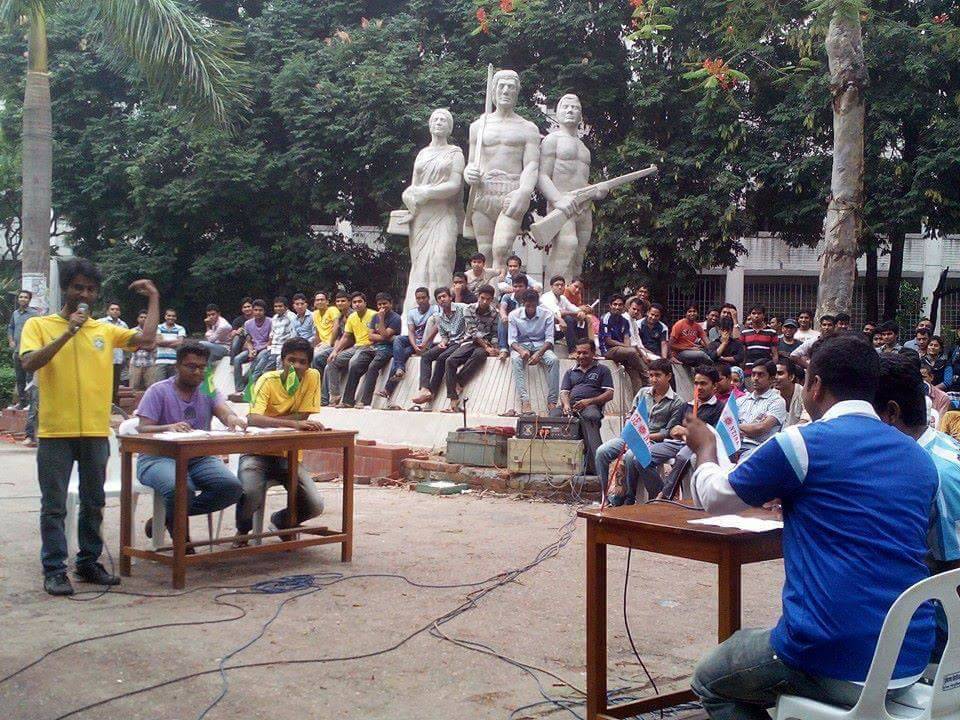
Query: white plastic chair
x=921 y=702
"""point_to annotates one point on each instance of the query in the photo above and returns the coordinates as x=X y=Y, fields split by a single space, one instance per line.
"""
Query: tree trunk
x=871 y=286
x=37 y=164
x=842 y=226
x=891 y=295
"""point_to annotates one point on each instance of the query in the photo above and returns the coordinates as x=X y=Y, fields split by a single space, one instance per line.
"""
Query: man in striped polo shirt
x=759 y=341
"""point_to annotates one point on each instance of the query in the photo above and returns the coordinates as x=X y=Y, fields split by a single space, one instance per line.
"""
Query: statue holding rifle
x=501 y=170
x=564 y=182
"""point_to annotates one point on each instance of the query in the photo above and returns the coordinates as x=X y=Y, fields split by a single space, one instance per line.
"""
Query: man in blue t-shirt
x=384 y=326
x=856 y=497
x=419 y=338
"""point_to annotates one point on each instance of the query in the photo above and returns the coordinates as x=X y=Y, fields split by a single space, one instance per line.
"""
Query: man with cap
x=788 y=340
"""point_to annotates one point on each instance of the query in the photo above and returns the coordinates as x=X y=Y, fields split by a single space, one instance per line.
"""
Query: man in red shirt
x=688 y=341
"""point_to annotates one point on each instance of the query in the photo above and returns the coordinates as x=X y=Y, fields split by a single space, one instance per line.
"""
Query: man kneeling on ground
x=854 y=538
x=281 y=398
x=584 y=391
x=179 y=404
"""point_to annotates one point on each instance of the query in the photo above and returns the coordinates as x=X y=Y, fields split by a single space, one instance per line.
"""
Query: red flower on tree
x=941 y=19
x=483 y=20
x=506 y=6
x=721 y=71
x=636 y=3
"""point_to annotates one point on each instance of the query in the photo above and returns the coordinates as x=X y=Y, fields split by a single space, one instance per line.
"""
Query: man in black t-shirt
x=584 y=391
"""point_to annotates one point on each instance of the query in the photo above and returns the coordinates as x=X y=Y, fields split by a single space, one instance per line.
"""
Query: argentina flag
x=728 y=426
x=636 y=433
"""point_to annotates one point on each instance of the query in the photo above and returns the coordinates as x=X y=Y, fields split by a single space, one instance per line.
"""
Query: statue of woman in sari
x=435 y=202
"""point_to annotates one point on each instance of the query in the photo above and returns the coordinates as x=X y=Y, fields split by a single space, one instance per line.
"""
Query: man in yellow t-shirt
x=280 y=401
x=353 y=349
x=326 y=320
x=72 y=356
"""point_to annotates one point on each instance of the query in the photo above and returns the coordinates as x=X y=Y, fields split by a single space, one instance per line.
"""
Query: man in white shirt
x=763 y=411
x=113 y=317
x=566 y=312
x=805 y=331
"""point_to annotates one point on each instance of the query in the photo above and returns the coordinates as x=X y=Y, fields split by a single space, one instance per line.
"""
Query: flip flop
x=393 y=407
x=451 y=411
x=509 y=413
x=415 y=408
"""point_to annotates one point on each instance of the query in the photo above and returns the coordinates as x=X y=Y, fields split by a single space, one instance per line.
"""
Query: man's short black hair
x=613 y=298
x=23 y=291
x=922 y=331
x=661 y=365
x=440 y=291
x=486 y=290
x=79 y=266
x=321 y=292
x=888 y=326
x=341 y=294
x=478 y=256
x=281 y=300
x=515 y=257
x=521 y=279
x=530 y=295
x=708 y=371
x=297 y=344
x=827 y=318
x=847 y=365
x=724 y=369
x=112 y=303
x=173 y=310
x=258 y=303
x=425 y=291
x=357 y=294
x=760 y=308
x=192 y=348
x=299 y=296
x=557 y=277
x=656 y=306
x=843 y=317
x=246 y=300
x=384 y=296
x=691 y=306
x=804 y=312
x=212 y=308
x=585 y=341
x=789 y=365
x=768 y=365
x=899 y=381
x=778 y=316
x=727 y=305
x=460 y=276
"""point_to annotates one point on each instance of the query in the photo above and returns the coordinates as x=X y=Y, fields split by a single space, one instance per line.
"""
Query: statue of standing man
x=564 y=168
x=501 y=170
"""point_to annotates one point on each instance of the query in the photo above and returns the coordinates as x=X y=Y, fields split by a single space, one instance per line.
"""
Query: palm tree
x=192 y=61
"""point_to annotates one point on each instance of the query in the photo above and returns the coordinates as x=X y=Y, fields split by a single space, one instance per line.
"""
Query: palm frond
x=192 y=60
x=11 y=11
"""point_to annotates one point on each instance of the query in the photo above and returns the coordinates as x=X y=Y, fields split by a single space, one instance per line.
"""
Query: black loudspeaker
x=548 y=428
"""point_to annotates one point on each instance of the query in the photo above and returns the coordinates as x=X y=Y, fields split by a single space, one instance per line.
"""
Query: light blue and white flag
x=728 y=426
x=636 y=433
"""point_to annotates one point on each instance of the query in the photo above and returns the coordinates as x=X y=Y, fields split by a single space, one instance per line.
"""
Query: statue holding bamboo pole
x=502 y=169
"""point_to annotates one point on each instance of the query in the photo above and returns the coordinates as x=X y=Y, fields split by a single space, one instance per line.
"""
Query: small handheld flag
x=208 y=387
x=636 y=433
x=696 y=401
x=248 y=391
x=290 y=382
x=728 y=426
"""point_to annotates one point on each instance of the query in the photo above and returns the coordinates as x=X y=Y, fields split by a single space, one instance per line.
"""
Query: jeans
x=684 y=458
x=570 y=333
x=461 y=366
x=236 y=345
x=139 y=377
x=257 y=473
x=265 y=362
x=402 y=350
x=217 y=351
x=548 y=362
x=320 y=355
x=23 y=377
x=355 y=360
x=502 y=337
x=55 y=459
x=433 y=364
x=590 y=419
x=607 y=454
x=381 y=358
x=660 y=452
x=743 y=676
x=694 y=357
x=211 y=485
x=238 y=360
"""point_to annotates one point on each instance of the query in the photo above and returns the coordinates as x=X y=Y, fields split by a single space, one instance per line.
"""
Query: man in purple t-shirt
x=257 y=329
x=178 y=404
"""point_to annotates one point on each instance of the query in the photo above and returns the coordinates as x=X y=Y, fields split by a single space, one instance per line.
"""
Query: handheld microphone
x=84 y=308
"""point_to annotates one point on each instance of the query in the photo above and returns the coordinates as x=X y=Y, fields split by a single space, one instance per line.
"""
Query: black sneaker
x=95 y=573
x=58 y=584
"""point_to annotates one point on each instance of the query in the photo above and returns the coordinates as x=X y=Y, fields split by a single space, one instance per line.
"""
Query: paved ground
x=433 y=540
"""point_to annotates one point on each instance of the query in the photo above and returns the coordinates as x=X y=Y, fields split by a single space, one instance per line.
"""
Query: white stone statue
x=435 y=202
x=565 y=168
x=501 y=171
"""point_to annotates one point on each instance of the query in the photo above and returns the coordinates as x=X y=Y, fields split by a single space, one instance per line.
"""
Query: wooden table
x=664 y=529
x=182 y=450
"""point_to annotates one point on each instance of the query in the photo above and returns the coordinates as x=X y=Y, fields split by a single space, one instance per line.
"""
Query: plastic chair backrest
x=945 y=700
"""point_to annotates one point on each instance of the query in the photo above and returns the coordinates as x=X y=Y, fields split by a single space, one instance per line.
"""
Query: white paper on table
x=195 y=434
x=261 y=430
x=750 y=524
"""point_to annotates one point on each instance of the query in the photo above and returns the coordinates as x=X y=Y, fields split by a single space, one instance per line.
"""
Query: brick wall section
x=370 y=460
x=502 y=481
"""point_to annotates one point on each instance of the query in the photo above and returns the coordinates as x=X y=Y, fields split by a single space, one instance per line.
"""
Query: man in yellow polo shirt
x=353 y=349
x=281 y=398
x=326 y=320
x=72 y=356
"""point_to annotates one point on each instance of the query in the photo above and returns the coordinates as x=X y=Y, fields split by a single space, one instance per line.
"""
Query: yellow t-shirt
x=359 y=326
x=270 y=398
x=76 y=386
x=325 y=324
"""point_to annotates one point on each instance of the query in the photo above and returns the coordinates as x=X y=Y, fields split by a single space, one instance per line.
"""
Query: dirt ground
x=539 y=619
